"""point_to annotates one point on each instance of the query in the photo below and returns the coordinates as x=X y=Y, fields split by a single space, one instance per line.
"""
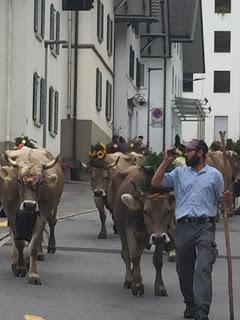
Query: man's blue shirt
x=196 y=193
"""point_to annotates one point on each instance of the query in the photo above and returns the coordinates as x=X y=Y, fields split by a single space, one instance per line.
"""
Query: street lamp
x=148 y=105
x=46 y=44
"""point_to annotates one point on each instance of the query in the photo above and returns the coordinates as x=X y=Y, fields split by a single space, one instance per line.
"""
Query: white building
x=24 y=25
x=149 y=66
x=220 y=84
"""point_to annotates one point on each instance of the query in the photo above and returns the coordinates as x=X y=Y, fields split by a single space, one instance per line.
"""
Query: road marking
x=31 y=317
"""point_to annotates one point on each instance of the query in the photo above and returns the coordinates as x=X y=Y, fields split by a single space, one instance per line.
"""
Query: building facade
x=220 y=84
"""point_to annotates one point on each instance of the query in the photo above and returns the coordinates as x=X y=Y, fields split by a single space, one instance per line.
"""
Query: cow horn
x=51 y=163
x=10 y=160
x=112 y=165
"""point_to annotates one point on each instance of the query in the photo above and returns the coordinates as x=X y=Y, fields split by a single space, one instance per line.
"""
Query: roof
x=189 y=109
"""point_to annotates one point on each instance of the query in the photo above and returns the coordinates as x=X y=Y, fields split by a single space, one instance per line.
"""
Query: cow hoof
x=51 y=250
x=172 y=258
x=161 y=292
x=127 y=284
x=102 y=236
x=34 y=279
x=19 y=271
x=137 y=288
x=40 y=257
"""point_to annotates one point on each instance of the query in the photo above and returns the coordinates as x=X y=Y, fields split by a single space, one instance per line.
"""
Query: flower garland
x=97 y=155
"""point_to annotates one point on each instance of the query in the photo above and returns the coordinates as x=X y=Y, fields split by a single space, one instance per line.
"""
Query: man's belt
x=196 y=220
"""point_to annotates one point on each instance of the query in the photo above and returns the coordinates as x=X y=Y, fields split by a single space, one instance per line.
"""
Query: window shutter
x=43 y=19
x=34 y=107
x=50 y=114
x=42 y=101
x=97 y=88
x=52 y=25
x=99 y=19
x=57 y=31
x=102 y=21
x=36 y=16
x=138 y=78
x=56 y=112
x=108 y=33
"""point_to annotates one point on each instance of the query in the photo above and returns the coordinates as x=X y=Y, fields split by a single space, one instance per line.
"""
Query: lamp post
x=46 y=44
x=148 y=105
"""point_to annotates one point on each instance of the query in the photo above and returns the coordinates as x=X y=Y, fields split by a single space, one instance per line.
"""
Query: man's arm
x=157 y=179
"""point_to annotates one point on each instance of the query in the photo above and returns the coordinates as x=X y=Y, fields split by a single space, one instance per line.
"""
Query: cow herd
x=31 y=184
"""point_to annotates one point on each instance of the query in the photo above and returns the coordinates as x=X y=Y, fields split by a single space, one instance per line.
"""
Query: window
x=109 y=35
x=223 y=6
x=131 y=62
x=187 y=82
x=220 y=124
x=54 y=29
x=142 y=71
x=53 y=112
x=39 y=18
x=172 y=80
x=98 y=89
x=222 y=41
x=222 y=81
x=100 y=21
x=138 y=73
x=108 y=111
x=38 y=100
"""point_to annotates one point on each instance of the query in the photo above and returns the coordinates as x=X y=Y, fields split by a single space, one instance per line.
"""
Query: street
x=84 y=279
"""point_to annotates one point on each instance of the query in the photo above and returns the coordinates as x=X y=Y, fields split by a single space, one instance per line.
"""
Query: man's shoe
x=201 y=315
x=189 y=312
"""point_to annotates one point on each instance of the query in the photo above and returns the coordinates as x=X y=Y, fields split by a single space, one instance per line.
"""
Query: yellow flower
x=103 y=146
x=100 y=154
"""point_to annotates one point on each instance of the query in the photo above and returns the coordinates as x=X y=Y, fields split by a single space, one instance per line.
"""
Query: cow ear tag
x=5 y=175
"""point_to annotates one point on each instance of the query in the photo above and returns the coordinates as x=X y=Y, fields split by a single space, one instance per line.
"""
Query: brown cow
x=31 y=188
x=142 y=220
x=100 y=179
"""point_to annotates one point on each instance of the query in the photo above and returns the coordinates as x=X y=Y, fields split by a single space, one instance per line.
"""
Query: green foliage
x=150 y=164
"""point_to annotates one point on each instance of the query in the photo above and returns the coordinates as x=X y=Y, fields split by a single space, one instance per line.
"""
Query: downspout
x=9 y=76
x=74 y=142
x=69 y=80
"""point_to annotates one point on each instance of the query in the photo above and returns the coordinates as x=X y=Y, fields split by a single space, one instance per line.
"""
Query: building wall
x=222 y=104
x=25 y=56
x=125 y=88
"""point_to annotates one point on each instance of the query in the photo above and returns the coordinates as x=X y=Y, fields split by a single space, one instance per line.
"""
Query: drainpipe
x=164 y=101
x=69 y=80
x=74 y=142
x=9 y=76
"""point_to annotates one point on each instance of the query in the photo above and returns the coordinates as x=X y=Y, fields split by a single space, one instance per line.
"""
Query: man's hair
x=140 y=137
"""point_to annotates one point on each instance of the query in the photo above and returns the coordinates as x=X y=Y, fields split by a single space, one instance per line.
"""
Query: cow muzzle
x=99 y=193
x=29 y=206
x=157 y=238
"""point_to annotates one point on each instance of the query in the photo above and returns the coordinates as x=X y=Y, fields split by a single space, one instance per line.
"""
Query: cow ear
x=130 y=202
x=52 y=180
x=5 y=174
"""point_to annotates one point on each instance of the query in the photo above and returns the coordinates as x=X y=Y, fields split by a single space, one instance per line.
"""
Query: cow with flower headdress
x=30 y=187
x=102 y=167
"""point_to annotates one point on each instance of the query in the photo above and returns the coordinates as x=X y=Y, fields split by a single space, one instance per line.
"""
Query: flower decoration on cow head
x=97 y=155
x=24 y=141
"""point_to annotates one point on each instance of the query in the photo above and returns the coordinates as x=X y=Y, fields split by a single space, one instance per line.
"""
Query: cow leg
x=52 y=240
x=19 y=269
x=158 y=263
x=33 y=276
x=125 y=256
x=135 y=252
x=103 y=216
x=40 y=256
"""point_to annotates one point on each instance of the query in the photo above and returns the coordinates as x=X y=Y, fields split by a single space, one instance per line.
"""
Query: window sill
x=52 y=134
x=37 y=123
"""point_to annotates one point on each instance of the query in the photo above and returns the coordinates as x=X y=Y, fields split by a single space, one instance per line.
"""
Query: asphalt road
x=84 y=279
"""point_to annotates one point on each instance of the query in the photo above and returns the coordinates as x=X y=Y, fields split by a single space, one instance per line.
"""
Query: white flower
x=24 y=141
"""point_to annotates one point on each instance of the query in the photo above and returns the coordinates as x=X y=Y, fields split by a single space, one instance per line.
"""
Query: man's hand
x=169 y=156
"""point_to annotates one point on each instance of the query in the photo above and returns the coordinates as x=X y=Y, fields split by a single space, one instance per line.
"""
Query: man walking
x=198 y=189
